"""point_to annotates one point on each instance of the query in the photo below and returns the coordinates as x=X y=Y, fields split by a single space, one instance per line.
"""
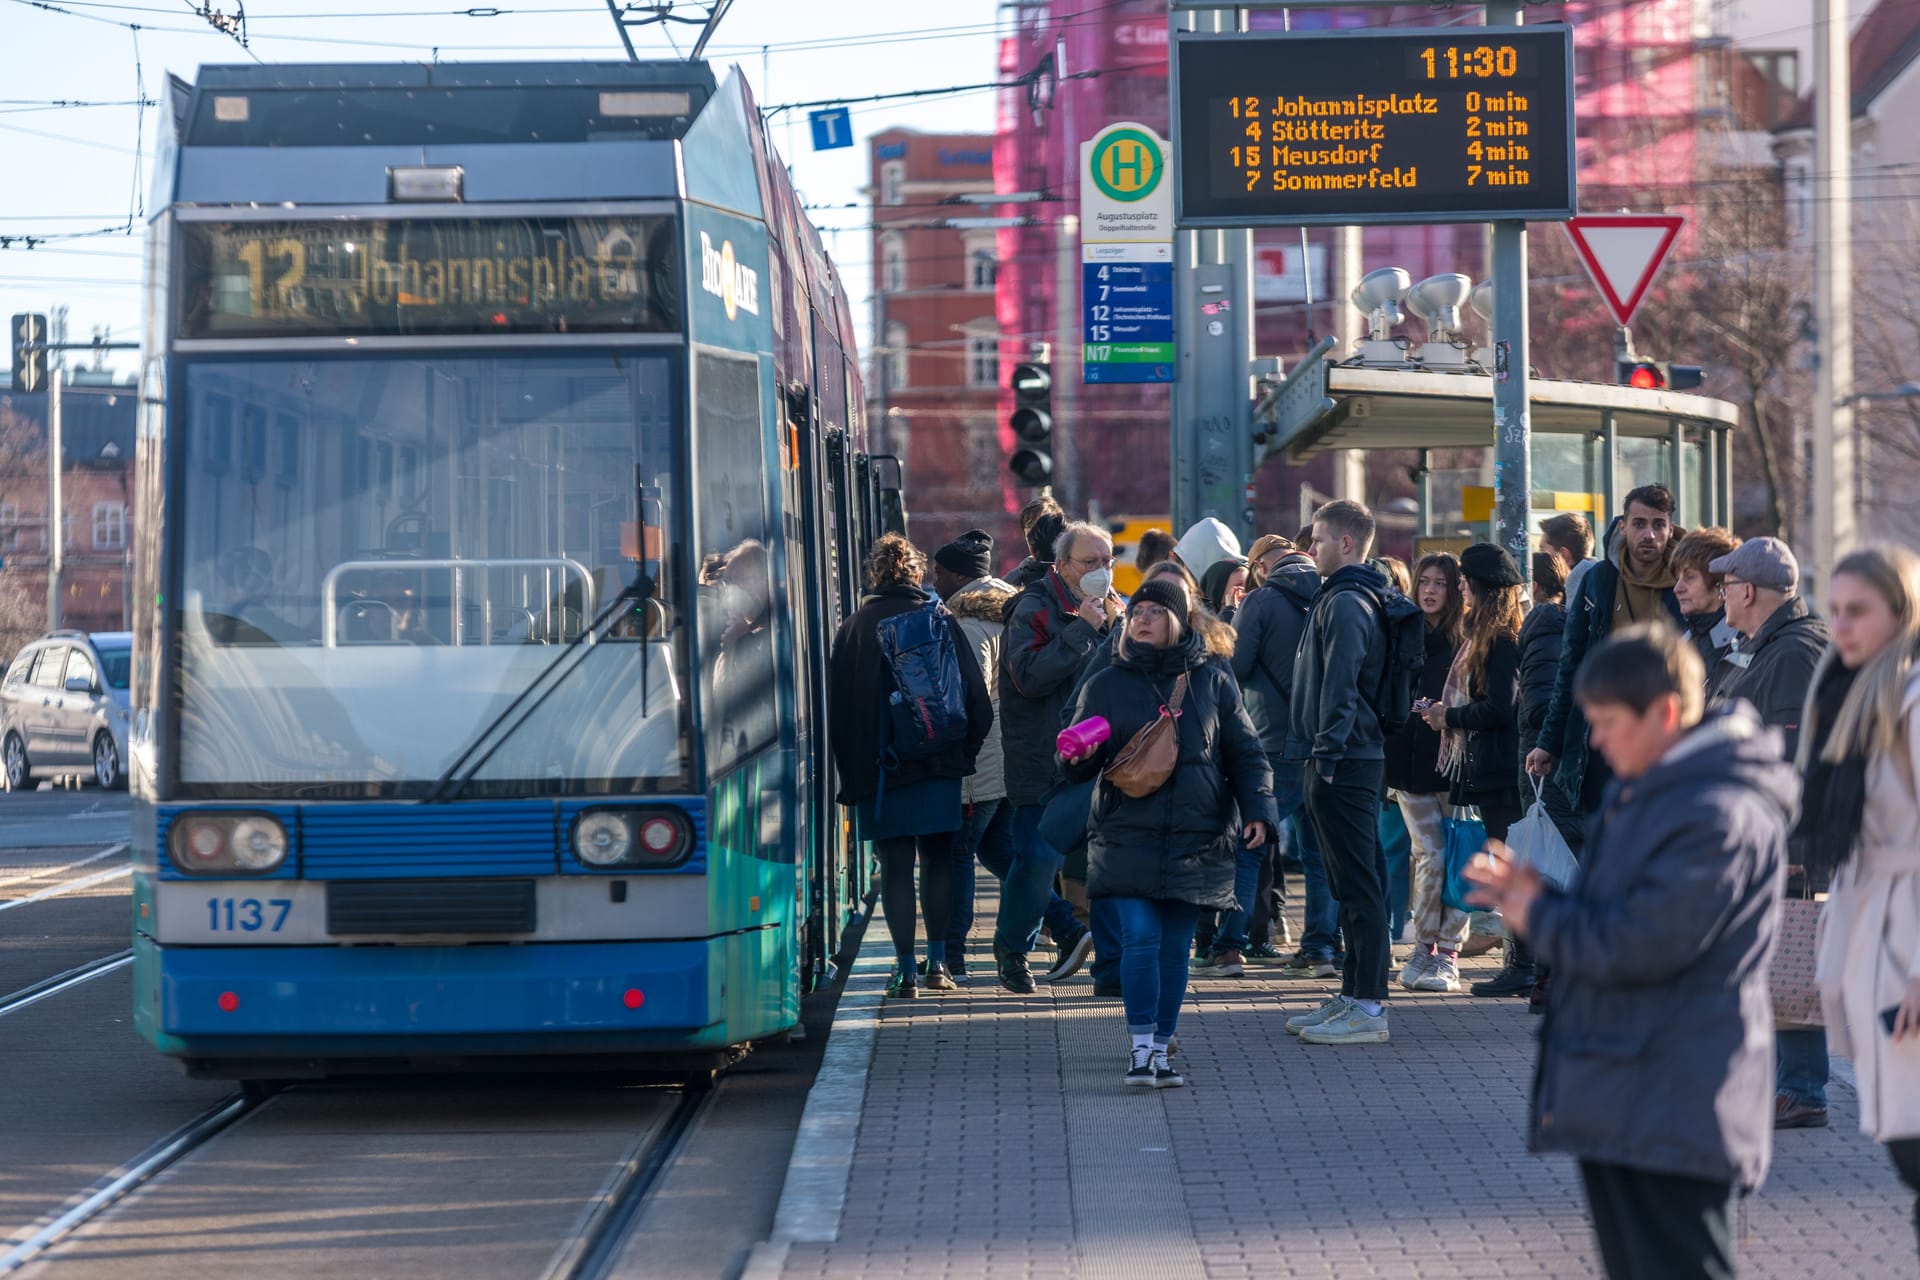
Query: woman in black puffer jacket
x=1163 y=857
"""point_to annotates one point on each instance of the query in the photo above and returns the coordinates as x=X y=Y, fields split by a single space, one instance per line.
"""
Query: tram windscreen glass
x=378 y=556
x=373 y=277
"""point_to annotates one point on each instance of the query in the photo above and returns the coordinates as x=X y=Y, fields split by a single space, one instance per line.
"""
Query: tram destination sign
x=375 y=277
x=1465 y=124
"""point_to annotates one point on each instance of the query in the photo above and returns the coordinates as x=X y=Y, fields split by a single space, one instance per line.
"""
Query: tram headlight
x=602 y=839
x=203 y=844
x=613 y=839
x=258 y=844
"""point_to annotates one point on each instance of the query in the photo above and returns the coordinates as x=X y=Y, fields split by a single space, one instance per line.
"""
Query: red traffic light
x=1646 y=375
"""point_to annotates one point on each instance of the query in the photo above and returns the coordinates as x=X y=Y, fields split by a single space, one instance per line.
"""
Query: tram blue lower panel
x=208 y=994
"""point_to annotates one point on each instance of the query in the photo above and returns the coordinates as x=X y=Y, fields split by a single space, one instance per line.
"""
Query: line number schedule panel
x=1467 y=124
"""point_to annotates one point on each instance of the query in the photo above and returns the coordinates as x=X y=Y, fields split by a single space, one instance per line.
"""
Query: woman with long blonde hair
x=1861 y=759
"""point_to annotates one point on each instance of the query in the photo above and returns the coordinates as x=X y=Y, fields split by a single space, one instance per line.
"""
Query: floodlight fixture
x=1437 y=301
x=1377 y=296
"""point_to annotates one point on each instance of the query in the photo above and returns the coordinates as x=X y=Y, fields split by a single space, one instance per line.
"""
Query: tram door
x=810 y=597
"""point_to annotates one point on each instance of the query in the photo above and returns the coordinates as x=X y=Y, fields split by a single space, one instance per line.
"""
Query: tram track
x=596 y=1244
x=46 y=988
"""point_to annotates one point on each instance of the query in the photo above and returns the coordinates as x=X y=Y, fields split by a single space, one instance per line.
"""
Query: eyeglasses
x=1147 y=613
x=1731 y=582
x=1094 y=562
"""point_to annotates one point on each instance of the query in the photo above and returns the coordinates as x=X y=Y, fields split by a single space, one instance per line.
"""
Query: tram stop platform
x=981 y=1133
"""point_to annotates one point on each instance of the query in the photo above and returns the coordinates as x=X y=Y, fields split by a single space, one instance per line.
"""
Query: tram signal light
x=29 y=353
x=1657 y=375
x=1032 y=422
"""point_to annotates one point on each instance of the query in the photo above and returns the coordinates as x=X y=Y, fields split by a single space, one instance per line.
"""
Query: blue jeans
x=1105 y=923
x=1288 y=796
x=1802 y=1070
x=1156 y=942
x=986 y=832
x=1027 y=898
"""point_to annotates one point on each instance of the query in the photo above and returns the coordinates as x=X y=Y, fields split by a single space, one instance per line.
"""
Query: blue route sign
x=832 y=128
x=1128 y=325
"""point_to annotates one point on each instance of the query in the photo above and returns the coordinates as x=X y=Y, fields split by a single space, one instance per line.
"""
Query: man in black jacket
x=1633 y=584
x=1655 y=1061
x=1335 y=731
x=1267 y=629
x=1781 y=640
x=1052 y=628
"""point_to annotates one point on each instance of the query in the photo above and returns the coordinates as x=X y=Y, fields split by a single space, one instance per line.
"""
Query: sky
x=74 y=168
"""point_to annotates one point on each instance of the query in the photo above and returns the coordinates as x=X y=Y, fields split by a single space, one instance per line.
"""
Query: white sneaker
x=1165 y=1074
x=1299 y=1022
x=1140 y=1067
x=1418 y=964
x=1442 y=975
x=1352 y=1025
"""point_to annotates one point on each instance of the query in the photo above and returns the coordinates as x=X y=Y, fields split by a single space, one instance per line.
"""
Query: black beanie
x=1490 y=566
x=1045 y=532
x=1166 y=593
x=970 y=555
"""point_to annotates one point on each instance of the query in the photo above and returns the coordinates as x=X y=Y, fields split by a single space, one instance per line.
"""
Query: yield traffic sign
x=1622 y=253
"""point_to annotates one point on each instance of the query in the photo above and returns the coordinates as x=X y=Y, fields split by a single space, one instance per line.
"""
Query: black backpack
x=1406 y=658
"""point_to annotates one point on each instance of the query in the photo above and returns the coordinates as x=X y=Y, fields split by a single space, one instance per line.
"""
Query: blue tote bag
x=1466 y=836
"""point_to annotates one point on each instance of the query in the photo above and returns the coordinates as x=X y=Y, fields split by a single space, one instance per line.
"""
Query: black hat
x=1045 y=532
x=1490 y=566
x=970 y=555
x=1166 y=593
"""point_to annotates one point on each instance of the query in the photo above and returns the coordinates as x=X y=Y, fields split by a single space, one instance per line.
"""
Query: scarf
x=1639 y=599
x=1835 y=799
x=1453 y=742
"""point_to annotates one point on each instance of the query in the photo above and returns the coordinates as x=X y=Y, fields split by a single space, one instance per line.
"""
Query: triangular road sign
x=1623 y=253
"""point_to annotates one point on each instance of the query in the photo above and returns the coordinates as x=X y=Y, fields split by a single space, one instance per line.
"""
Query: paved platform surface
x=993 y=1137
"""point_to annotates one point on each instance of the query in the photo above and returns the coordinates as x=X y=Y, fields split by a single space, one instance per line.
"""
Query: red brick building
x=934 y=377
x=97 y=430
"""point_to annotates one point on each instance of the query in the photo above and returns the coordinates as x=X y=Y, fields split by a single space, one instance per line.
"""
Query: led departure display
x=1467 y=124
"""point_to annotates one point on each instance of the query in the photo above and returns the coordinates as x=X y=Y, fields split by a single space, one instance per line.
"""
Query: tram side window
x=737 y=684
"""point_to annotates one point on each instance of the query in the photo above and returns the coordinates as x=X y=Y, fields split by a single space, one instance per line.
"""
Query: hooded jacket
x=1657 y=1051
x=1590 y=616
x=1268 y=628
x=1045 y=645
x=1413 y=754
x=1774 y=669
x=1340 y=666
x=980 y=606
x=1177 y=843
x=1540 y=639
x=1205 y=545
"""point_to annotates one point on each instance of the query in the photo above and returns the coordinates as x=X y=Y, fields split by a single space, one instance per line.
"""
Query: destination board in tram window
x=1467 y=124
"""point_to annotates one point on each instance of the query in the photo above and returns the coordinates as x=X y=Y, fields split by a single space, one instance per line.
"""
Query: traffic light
x=1032 y=422
x=1657 y=375
x=29 y=353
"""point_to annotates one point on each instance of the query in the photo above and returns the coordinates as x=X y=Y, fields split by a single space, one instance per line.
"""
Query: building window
x=896 y=355
x=981 y=269
x=983 y=360
x=893 y=174
x=893 y=264
x=109 y=526
x=9 y=525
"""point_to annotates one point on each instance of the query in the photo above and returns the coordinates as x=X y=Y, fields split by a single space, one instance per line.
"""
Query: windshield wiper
x=449 y=785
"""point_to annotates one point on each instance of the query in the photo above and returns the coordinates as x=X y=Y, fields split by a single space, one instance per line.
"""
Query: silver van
x=64 y=708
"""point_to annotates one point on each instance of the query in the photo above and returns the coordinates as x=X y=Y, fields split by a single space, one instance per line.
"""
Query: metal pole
x=1609 y=477
x=1710 y=478
x=1069 y=486
x=1833 y=444
x=1683 y=503
x=1349 y=465
x=1512 y=425
x=1212 y=430
x=1426 y=493
x=56 y=517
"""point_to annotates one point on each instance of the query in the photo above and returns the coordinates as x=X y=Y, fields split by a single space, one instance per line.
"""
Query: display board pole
x=1512 y=425
x=1213 y=451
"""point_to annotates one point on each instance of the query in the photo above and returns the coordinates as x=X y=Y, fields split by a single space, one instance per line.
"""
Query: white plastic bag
x=1537 y=843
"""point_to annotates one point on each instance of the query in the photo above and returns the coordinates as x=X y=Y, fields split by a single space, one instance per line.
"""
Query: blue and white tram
x=504 y=471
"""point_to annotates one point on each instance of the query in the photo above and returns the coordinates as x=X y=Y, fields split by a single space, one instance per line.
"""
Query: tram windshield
x=379 y=556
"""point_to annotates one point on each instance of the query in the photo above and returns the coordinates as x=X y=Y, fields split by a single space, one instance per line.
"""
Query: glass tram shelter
x=1592 y=442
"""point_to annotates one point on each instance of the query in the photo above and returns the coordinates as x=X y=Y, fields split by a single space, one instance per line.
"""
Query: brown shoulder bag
x=1143 y=765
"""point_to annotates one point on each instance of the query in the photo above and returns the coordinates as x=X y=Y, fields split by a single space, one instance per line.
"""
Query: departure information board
x=1466 y=124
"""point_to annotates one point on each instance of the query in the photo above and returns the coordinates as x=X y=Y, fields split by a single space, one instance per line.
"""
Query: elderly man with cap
x=1771 y=666
x=963 y=576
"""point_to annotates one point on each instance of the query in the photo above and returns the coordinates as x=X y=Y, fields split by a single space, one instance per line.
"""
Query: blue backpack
x=927 y=710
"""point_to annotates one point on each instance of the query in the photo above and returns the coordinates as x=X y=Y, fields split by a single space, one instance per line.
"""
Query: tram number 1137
x=247 y=915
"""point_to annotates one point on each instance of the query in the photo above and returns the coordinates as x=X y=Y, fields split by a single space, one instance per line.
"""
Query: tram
x=504 y=471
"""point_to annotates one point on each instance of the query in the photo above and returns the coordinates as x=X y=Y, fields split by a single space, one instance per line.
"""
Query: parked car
x=64 y=707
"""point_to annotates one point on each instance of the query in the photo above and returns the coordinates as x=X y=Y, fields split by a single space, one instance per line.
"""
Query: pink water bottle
x=1078 y=739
